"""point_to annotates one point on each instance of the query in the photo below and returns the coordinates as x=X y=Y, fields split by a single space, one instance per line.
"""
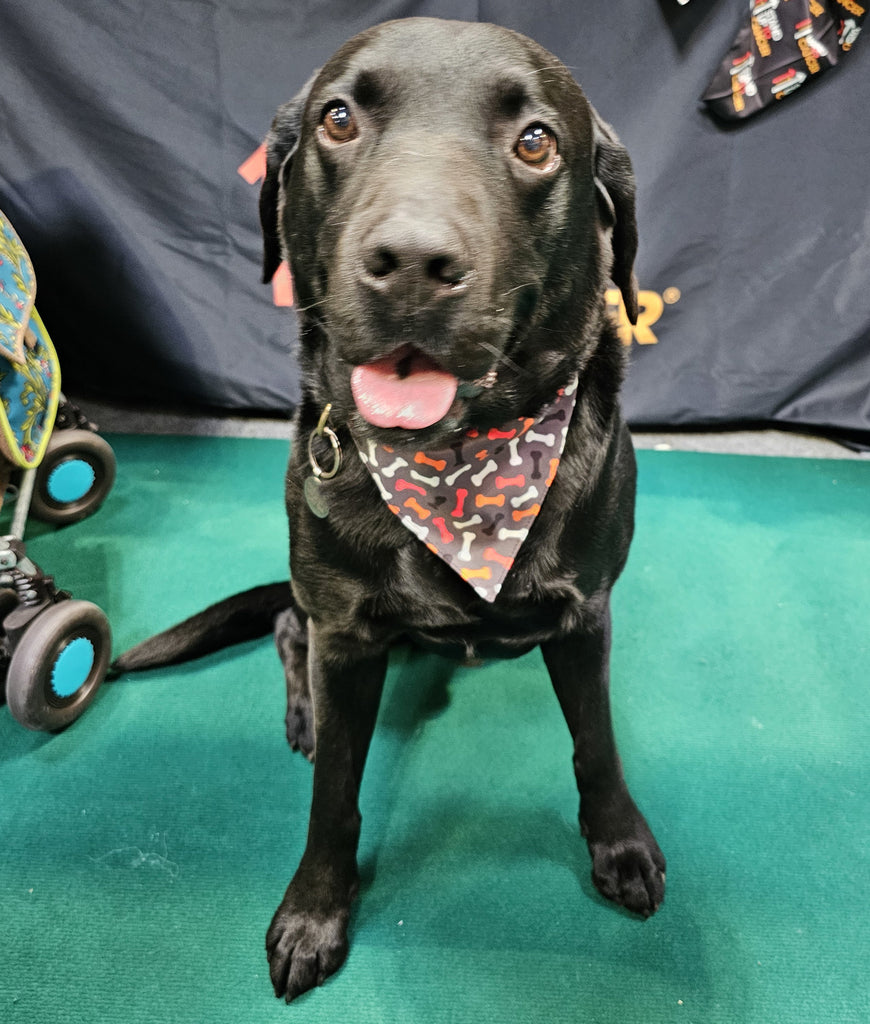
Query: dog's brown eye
x=339 y=123
x=536 y=146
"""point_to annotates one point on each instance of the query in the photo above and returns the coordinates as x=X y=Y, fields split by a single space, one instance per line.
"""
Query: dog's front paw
x=304 y=947
x=627 y=865
x=631 y=872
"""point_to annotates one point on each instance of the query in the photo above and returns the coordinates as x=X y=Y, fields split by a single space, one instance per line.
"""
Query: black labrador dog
x=452 y=208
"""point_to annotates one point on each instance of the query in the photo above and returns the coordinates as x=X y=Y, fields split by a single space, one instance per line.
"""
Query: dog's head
x=451 y=207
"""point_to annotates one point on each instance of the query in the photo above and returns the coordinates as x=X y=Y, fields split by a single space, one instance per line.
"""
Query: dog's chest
x=421 y=599
x=367 y=577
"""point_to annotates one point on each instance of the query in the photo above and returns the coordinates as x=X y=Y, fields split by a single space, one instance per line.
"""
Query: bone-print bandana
x=473 y=503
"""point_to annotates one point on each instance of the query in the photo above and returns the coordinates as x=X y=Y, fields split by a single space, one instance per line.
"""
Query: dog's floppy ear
x=281 y=144
x=614 y=183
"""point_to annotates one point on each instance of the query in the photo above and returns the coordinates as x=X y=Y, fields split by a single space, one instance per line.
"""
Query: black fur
x=244 y=616
x=438 y=108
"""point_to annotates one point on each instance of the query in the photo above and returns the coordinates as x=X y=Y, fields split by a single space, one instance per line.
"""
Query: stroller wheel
x=58 y=665
x=74 y=477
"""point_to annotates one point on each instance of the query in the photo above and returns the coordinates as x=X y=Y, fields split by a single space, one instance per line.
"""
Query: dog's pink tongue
x=403 y=389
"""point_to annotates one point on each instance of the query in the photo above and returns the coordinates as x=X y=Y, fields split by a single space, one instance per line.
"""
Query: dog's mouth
x=405 y=388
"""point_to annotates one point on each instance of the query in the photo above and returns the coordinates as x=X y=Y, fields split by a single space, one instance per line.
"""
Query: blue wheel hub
x=72 y=667
x=70 y=481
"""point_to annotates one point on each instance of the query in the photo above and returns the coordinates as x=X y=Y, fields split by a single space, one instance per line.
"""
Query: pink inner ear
x=254 y=168
x=404 y=389
x=282 y=286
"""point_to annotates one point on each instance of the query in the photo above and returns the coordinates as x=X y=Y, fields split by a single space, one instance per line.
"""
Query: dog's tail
x=241 y=617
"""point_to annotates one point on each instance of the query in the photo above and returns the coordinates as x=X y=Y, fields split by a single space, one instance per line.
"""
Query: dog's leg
x=307 y=940
x=291 y=639
x=627 y=865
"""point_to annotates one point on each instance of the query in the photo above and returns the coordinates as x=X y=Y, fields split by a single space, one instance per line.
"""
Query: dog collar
x=474 y=502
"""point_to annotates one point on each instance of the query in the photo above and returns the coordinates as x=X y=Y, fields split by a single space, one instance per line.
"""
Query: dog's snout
x=428 y=261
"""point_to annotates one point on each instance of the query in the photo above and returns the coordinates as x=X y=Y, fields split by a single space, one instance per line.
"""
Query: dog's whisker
x=549 y=67
x=518 y=288
x=501 y=358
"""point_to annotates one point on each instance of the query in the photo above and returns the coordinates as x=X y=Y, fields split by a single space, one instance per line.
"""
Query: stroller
x=54 y=650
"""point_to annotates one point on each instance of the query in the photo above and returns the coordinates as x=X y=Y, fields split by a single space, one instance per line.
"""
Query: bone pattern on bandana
x=473 y=503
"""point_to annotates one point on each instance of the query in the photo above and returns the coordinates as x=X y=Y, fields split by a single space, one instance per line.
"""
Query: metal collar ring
x=323 y=429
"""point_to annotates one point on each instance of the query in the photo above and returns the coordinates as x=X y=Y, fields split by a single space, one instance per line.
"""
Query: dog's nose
x=423 y=262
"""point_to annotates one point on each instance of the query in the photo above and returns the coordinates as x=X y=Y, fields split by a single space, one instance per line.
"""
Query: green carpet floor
x=143 y=851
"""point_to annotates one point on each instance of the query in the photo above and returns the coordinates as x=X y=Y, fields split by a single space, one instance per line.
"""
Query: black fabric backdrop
x=124 y=124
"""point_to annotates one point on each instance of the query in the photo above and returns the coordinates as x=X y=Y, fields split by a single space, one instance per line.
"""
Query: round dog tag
x=315 y=498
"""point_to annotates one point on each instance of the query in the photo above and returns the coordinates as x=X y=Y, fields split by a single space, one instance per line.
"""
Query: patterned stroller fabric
x=29 y=370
